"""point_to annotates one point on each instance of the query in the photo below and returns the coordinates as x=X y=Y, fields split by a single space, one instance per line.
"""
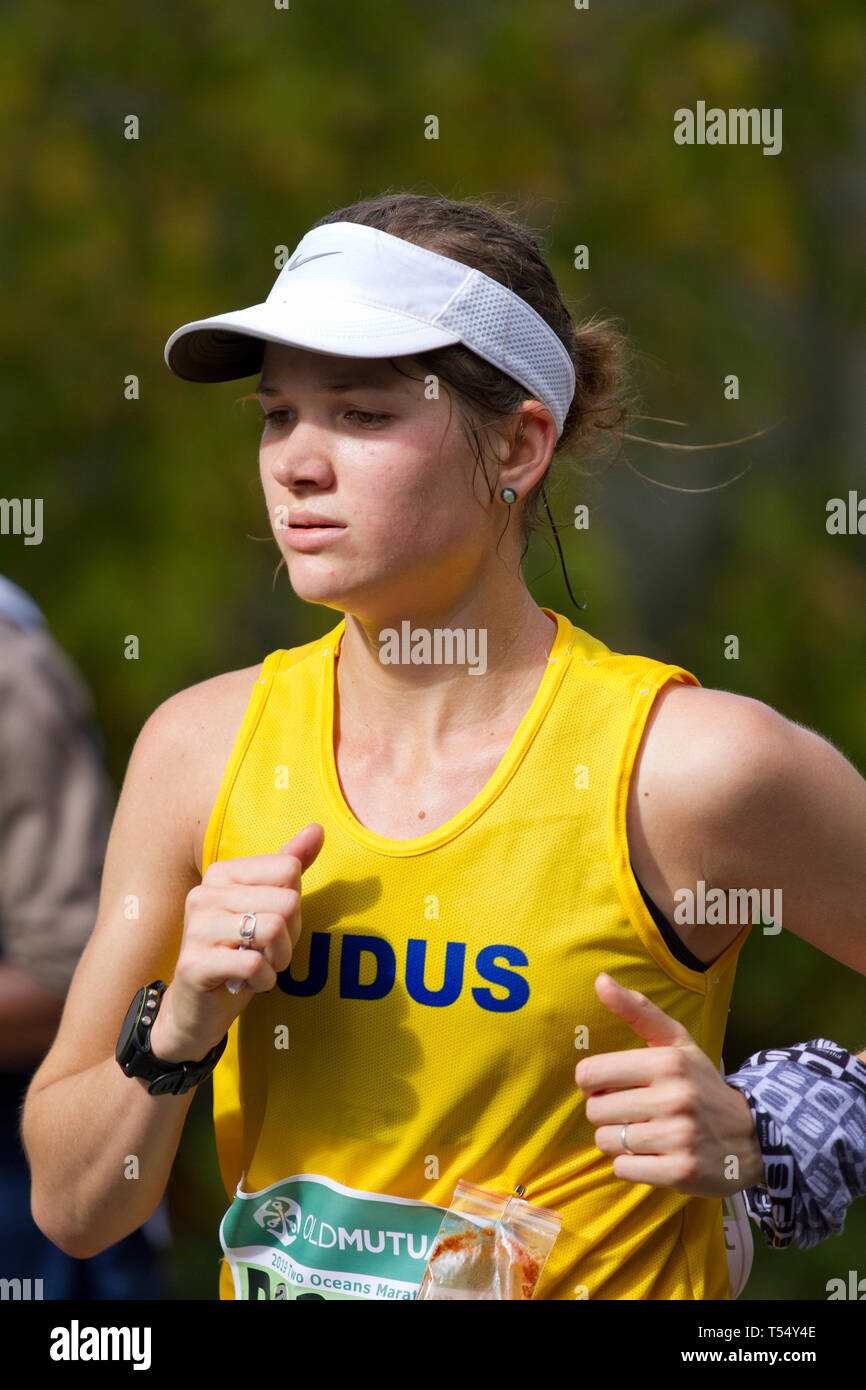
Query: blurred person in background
x=56 y=808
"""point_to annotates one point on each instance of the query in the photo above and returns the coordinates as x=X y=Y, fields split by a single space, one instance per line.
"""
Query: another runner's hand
x=197 y=1009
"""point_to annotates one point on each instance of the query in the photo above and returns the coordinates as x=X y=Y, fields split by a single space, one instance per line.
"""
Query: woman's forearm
x=100 y=1150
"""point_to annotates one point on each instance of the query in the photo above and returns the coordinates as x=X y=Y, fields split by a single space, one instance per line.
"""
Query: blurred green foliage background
x=254 y=122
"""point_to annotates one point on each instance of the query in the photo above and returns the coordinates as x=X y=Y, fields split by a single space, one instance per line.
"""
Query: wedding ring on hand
x=247 y=936
x=623 y=1144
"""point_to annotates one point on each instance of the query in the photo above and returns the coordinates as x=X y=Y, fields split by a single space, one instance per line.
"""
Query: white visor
x=355 y=291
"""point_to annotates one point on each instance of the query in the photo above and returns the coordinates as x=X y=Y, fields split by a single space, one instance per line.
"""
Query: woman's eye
x=365 y=417
x=369 y=414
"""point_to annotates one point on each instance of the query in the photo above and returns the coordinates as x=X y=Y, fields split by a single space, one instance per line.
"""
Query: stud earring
x=508 y=494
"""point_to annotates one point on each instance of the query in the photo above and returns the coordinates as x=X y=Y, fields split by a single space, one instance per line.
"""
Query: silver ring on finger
x=624 y=1146
x=247 y=932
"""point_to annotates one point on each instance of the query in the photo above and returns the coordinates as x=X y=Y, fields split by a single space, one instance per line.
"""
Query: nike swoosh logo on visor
x=294 y=264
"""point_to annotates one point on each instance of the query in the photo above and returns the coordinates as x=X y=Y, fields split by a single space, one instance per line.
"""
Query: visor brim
x=229 y=346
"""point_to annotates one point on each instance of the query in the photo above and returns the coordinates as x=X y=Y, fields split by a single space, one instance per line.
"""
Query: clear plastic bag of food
x=489 y=1247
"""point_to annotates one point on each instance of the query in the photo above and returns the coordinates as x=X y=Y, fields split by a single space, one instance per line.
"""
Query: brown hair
x=491 y=238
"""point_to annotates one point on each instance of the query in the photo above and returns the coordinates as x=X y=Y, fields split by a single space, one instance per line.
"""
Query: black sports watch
x=136 y=1059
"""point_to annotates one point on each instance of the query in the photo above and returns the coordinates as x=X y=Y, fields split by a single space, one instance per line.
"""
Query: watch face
x=128 y=1027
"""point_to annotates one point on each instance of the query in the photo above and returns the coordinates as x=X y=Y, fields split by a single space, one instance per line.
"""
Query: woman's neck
x=413 y=685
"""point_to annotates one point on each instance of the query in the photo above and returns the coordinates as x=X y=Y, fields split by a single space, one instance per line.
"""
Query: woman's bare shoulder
x=200 y=725
x=691 y=727
x=215 y=700
x=700 y=751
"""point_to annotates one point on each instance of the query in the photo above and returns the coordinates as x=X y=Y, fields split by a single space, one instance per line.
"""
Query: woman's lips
x=312 y=537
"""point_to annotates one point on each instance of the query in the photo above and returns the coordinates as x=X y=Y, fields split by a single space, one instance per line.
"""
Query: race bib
x=309 y=1237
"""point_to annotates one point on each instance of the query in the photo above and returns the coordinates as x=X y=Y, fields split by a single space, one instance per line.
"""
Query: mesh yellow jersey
x=440 y=996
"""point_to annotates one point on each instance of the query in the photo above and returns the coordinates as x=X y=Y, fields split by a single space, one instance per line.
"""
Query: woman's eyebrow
x=332 y=387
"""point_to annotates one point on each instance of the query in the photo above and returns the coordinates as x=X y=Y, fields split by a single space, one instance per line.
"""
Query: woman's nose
x=302 y=455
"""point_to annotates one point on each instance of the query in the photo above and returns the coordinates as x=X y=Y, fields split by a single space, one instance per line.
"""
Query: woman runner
x=384 y=873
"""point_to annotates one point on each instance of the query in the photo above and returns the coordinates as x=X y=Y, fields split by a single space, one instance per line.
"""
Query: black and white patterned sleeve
x=808 y=1102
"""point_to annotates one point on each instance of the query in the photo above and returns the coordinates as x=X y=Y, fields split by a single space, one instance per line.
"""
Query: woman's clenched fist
x=197 y=1008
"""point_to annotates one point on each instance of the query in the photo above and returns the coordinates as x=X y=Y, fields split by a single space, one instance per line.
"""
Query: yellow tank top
x=440 y=996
